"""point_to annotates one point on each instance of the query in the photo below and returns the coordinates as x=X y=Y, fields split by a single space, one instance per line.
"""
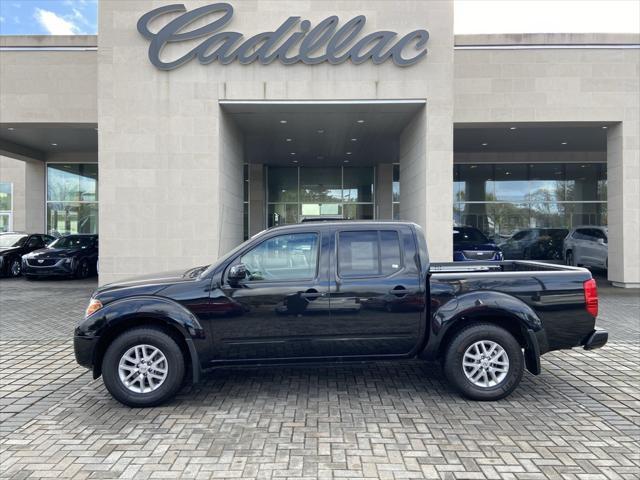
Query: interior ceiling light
x=360 y=121
x=288 y=139
x=604 y=127
x=485 y=144
x=283 y=121
x=320 y=131
x=348 y=153
x=346 y=161
x=354 y=139
x=513 y=128
x=11 y=129
x=54 y=144
x=292 y=153
x=564 y=143
x=473 y=166
x=295 y=161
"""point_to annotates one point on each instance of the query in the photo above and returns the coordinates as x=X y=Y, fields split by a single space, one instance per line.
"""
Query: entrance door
x=282 y=305
x=377 y=298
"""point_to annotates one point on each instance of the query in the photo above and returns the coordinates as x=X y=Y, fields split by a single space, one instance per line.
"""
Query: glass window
x=5 y=196
x=511 y=183
x=12 y=240
x=390 y=255
x=546 y=182
x=395 y=186
x=320 y=185
x=475 y=183
x=72 y=182
x=462 y=234
x=358 y=185
x=283 y=184
x=585 y=182
x=74 y=241
x=283 y=258
x=64 y=218
x=358 y=254
x=282 y=214
x=358 y=212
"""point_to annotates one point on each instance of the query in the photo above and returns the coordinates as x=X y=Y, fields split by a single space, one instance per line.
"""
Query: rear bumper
x=596 y=339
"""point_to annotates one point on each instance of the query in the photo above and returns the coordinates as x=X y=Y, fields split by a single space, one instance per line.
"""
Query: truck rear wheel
x=143 y=367
x=484 y=362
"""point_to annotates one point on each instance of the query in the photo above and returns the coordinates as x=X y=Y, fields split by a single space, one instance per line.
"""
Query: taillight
x=591 y=296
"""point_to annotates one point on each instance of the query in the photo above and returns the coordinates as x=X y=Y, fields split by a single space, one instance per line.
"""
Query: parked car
x=485 y=321
x=469 y=243
x=535 y=244
x=71 y=256
x=588 y=246
x=15 y=244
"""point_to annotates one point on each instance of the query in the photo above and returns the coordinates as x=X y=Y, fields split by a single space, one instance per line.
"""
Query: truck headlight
x=93 y=307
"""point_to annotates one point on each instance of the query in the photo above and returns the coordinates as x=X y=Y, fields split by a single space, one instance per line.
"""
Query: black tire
x=463 y=340
x=14 y=268
x=83 y=269
x=143 y=336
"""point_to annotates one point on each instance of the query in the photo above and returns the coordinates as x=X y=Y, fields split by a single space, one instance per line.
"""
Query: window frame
x=379 y=243
x=236 y=260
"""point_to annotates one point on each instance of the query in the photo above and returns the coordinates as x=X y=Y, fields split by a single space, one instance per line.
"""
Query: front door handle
x=312 y=294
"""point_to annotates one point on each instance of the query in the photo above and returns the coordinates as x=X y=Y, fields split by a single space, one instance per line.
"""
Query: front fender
x=144 y=306
x=485 y=305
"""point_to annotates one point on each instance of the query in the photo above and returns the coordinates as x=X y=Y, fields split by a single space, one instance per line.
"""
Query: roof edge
x=48 y=41
x=528 y=39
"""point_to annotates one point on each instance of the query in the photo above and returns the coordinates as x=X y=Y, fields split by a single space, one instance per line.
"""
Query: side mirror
x=601 y=241
x=237 y=272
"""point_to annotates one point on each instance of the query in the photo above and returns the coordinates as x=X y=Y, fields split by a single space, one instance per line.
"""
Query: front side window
x=12 y=240
x=283 y=258
x=368 y=253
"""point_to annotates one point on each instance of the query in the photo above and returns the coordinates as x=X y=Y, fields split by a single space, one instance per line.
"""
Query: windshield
x=12 y=240
x=72 y=242
x=467 y=234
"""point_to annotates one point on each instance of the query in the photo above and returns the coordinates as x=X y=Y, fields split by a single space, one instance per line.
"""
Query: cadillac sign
x=292 y=42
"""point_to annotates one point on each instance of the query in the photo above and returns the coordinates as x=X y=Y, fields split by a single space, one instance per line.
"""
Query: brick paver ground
x=580 y=419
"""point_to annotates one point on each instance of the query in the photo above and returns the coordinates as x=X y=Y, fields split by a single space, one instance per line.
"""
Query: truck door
x=376 y=295
x=281 y=307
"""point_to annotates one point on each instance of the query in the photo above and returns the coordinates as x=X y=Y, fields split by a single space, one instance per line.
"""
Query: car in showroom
x=587 y=246
x=68 y=256
x=469 y=243
x=535 y=244
x=13 y=245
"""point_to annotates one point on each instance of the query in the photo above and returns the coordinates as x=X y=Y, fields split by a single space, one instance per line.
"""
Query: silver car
x=587 y=246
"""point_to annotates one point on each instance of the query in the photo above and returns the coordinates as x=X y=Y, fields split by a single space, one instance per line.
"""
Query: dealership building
x=178 y=131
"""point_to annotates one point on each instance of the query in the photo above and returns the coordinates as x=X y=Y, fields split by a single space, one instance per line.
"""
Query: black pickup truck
x=336 y=291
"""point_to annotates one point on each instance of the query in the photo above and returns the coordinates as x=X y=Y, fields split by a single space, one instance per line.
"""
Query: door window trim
x=377 y=231
x=236 y=260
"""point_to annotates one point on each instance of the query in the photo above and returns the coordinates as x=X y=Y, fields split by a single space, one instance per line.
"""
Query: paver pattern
x=580 y=419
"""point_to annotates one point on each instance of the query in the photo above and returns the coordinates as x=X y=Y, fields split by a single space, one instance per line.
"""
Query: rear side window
x=368 y=253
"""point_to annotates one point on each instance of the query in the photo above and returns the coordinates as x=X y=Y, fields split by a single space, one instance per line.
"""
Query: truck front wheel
x=484 y=362
x=143 y=367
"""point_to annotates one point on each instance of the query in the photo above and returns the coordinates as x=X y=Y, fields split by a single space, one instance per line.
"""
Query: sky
x=67 y=17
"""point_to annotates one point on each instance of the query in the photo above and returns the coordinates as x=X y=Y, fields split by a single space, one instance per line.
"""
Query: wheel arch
x=162 y=324
x=496 y=308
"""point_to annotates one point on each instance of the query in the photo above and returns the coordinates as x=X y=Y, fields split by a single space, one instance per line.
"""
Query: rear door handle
x=400 y=291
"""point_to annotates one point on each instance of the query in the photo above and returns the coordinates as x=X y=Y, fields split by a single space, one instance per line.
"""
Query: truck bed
x=504 y=266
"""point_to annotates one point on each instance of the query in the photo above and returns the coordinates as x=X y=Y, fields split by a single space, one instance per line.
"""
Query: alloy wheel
x=143 y=368
x=16 y=268
x=485 y=363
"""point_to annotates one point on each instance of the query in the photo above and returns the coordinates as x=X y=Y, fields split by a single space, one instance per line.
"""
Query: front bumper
x=596 y=339
x=60 y=268
x=84 y=349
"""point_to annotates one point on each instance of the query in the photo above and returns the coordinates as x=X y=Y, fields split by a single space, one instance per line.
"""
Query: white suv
x=587 y=246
